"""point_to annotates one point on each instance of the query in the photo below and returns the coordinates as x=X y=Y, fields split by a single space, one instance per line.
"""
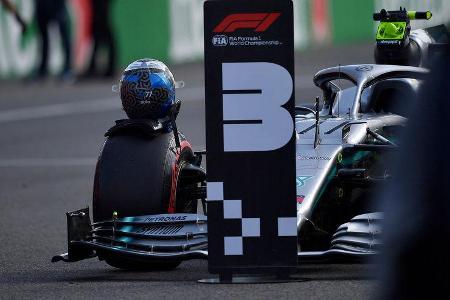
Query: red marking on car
x=300 y=199
x=260 y=22
x=175 y=172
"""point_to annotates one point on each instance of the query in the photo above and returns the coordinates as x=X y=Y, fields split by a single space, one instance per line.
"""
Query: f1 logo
x=253 y=95
x=258 y=21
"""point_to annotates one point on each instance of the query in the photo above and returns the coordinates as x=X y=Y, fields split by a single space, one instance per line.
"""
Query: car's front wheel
x=138 y=175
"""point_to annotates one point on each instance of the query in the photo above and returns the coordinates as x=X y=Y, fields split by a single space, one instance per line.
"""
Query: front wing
x=180 y=237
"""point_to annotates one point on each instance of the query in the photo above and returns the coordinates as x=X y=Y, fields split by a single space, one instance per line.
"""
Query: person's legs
x=92 y=70
x=110 y=44
x=42 y=22
x=108 y=38
x=63 y=24
x=96 y=22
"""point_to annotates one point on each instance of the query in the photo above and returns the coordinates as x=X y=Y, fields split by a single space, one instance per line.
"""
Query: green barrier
x=172 y=30
x=352 y=20
x=142 y=29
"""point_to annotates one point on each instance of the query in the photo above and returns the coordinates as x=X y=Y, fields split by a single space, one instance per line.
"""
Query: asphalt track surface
x=50 y=137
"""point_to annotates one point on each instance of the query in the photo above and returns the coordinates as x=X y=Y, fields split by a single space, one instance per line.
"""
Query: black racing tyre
x=137 y=175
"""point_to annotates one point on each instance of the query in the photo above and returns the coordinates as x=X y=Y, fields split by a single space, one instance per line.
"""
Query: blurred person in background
x=416 y=260
x=102 y=36
x=47 y=12
x=12 y=9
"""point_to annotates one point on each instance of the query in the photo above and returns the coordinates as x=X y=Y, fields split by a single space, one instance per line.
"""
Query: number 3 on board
x=253 y=95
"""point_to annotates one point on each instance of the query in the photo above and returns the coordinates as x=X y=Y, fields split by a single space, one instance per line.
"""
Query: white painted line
x=105 y=104
x=62 y=109
x=80 y=107
x=191 y=94
x=47 y=162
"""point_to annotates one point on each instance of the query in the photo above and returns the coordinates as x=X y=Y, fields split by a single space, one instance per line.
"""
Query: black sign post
x=250 y=138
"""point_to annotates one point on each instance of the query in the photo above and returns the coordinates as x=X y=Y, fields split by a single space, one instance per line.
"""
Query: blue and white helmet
x=147 y=90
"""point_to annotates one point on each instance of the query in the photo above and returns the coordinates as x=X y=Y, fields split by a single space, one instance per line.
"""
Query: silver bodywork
x=423 y=40
x=315 y=164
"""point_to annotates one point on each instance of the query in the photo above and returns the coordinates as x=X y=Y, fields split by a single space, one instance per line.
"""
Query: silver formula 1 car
x=149 y=211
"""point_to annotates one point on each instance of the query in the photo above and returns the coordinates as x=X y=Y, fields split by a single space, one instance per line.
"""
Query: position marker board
x=250 y=138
